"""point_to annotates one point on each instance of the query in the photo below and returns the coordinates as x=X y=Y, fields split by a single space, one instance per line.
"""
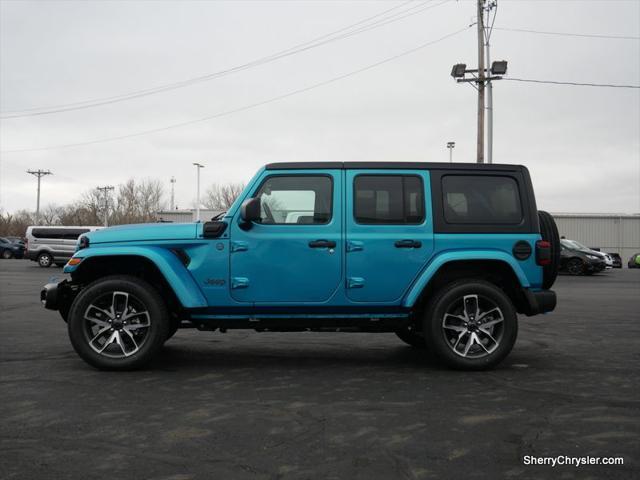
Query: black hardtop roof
x=392 y=165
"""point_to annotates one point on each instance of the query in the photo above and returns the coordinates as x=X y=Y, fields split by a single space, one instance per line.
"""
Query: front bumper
x=541 y=301
x=56 y=295
x=595 y=265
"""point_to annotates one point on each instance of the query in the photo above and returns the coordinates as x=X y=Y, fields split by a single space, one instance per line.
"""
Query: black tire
x=64 y=311
x=7 y=254
x=575 y=266
x=549 y=233
x=411 y=337
x=448 y=300
x=137 y=292
x=45 y=260
x=173 y=328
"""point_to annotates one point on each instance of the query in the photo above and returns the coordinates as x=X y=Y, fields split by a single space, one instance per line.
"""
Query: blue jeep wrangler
x=444 y=255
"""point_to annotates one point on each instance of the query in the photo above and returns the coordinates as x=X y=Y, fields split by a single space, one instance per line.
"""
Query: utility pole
x=480 y=152
x=39 y=173
x=173 y=183
x=198 y=167
x=451 y=146
x=105 y=191
x=483 y=76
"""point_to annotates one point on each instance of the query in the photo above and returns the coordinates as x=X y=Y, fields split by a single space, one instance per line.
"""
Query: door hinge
x=355 y=282
x=354 y=246
x=239 y=282
x=238 y=246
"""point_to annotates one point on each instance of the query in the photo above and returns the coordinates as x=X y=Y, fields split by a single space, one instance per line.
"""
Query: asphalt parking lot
x=307 y=405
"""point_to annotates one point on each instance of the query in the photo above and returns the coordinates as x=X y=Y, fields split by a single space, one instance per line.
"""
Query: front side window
x=480 y=199
x=296 y=200
x=388 y=199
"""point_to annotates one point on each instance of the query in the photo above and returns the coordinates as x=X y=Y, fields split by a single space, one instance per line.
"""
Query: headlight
x=593 y=257
x=83 y=242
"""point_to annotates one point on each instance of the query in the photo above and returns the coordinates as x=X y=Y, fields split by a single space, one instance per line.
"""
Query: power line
x=569 y=34
x=245 y=107
x=581 y=84
x=316 y=42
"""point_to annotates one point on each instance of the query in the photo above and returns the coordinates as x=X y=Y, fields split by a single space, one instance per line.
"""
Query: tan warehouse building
x=613 y=233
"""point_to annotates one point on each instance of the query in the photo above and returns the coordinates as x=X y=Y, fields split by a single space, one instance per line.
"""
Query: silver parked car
x=53 y=245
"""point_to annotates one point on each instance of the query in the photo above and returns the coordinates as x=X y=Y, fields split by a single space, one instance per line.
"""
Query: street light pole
x=490 y=6
x=451 y=146
x=173 y=183
x=489 y=112
x=481 y=80
x=198 y=167
x=483 y=76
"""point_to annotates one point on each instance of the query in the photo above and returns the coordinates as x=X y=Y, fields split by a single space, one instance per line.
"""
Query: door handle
x=322 y=244
x=408 y=244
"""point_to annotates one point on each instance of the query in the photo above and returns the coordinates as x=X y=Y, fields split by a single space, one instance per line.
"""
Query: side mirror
x=250 y=212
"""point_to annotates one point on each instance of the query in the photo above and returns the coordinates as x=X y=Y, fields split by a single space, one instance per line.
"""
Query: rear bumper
x=542 y=301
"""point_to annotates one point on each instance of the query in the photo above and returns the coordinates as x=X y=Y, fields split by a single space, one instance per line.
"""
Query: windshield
x=573 y=245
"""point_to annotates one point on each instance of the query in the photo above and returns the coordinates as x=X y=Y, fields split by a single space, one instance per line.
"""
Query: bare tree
x=221 y=196
x=138 y=202
x=50 y=215
x=135 y=202
x=16 y=224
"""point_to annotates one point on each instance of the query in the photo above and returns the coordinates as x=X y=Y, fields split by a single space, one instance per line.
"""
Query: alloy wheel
x=116 y=324
x=473 y=326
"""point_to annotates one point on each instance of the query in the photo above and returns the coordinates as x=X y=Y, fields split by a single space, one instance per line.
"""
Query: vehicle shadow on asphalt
x=265 y=357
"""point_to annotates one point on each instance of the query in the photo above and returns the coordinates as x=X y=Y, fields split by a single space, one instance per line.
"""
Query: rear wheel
x=45 y=260
x=118 y=323
x=549 y=233
x=471 y=325
x=7 y=254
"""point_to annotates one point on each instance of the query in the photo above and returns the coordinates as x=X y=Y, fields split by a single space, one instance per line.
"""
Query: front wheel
x=7 y=254
x=575 y=267
x=471 y=325
x=118 y=323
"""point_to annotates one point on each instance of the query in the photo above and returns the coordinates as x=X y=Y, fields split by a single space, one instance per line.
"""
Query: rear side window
x=50 y=233
x=388 y=199
x=481 y=199
x=58 y=233
x=74 y=234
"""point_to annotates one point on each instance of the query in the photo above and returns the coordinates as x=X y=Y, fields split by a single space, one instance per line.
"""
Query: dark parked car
x=634 y=261
x=16 y=240
x=9 y=249
x=575 y=259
